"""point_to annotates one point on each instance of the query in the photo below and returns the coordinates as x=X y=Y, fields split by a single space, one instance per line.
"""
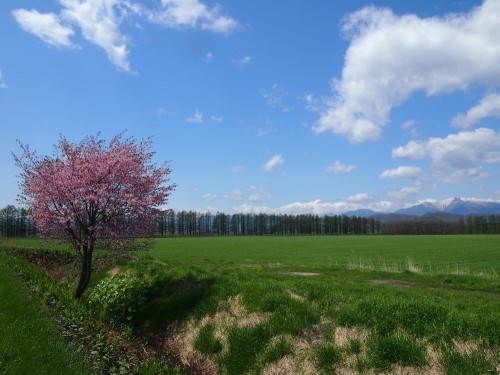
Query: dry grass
x=232 y=314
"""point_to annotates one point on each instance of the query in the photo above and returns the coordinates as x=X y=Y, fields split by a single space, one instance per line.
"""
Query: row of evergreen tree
x=190 y=223
x=16 y=222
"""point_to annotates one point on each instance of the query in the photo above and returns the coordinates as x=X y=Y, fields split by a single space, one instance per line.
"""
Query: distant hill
x=445 y=210
x=456 y=206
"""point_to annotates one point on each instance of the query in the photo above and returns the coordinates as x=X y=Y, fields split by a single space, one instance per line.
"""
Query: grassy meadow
x=431 y=254
x=293 y=305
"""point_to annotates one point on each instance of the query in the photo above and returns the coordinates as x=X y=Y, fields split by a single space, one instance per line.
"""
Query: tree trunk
x=86 y=270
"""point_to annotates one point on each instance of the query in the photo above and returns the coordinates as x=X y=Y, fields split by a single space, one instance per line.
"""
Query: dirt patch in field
x=344 y=335
x=392 y=282
x=8 y=244
x=294 y=273
x=232 y=313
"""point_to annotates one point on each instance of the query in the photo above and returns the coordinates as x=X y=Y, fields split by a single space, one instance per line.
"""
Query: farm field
x=310 y=305
x=468 y=254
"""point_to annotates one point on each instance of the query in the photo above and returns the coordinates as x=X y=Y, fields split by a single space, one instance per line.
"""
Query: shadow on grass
x=169 y=303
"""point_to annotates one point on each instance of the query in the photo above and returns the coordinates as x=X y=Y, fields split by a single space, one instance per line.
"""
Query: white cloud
x=273 y=163
x=242 y=62
x=275 y=97
x=361 y=197
x=216 y=118
x=319 y=207
x=196 y=118
x=235 y=168
x=100 y=22
x=405 y=194
x=339 y=168
x=489 y=106
x=210 y=196
x=235 y=195
x=209 y=57
x=46 y=26
x=401 y=172
x=390 y=57
x=258 y=194
x=194 y=14
x=458 y=157
x=3 y=85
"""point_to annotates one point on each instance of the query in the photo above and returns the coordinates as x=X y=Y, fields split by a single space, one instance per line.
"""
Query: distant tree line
x=190 y=223
x=16 y=222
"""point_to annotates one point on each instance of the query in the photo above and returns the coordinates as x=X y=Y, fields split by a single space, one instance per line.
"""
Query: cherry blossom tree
x=94 y=193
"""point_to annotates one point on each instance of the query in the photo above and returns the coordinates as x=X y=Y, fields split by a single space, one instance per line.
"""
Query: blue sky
x=265 y=106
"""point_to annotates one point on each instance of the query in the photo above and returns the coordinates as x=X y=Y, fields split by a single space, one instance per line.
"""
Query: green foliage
x=384 y=351
x=158 y=367
x=354 y=347
x=206 y=342
x=29 y=341
x=244 y=345
x=327 y=357
x=277 y=350
x=119 y=297
x=473 y=363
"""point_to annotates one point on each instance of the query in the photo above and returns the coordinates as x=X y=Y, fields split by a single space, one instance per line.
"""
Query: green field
x=466 y=254
x=308 y=305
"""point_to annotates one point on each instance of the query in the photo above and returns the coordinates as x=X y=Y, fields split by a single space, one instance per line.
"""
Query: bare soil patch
x=294 y=273
x=392 y=282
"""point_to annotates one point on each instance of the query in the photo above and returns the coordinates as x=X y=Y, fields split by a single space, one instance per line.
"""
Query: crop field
x=431 y=254
x=293 y=305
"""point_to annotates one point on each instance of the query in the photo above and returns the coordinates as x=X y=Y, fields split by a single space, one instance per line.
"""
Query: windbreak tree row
x=190 y=223
x=16 y=222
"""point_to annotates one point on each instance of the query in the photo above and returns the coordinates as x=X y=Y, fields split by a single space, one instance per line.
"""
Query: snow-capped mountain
x=457 y=206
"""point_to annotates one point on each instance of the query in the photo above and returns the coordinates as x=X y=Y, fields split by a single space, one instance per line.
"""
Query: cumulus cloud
x=47 y=26
x=404 y=194
x=320 y=207
x=489 y=106
x=273 y=163
x=196 y=117
x=390 y=57
x=100 y=22
x=458 y=157
x=339 y=168
x=194 y=14
x=401 y=172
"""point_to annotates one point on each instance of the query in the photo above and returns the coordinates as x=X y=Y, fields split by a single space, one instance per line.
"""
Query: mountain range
x=444 y=209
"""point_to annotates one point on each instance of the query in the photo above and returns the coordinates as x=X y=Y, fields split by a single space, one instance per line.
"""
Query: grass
x=367 y=304
x=29 y=340
x=462 y=254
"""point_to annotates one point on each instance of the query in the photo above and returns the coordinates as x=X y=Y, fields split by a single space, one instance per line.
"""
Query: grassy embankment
x=29 y=340
x=314 y=304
